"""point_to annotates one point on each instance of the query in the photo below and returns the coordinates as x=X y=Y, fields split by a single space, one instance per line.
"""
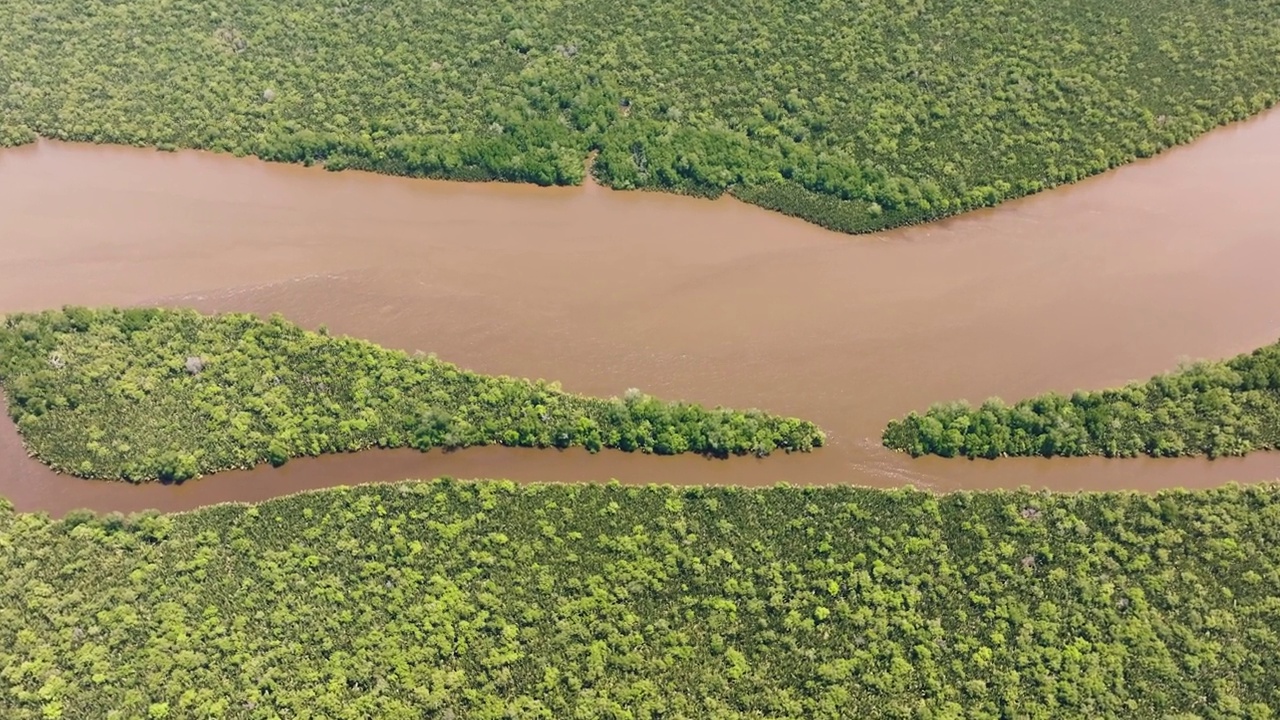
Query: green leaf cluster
x=492 y=600
x=855 y=115
x=1229 y=407
x=140 y=394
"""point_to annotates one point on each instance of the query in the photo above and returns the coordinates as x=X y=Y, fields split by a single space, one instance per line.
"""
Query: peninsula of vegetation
x=857 y=116
x=492 y=600
x=1229 y=407
x=142 y=394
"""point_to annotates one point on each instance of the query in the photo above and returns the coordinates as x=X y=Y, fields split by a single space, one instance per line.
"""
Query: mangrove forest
x=493 y=600
x=857 y=116
x=448 y=599
x=1229 y=407
x=142 y=394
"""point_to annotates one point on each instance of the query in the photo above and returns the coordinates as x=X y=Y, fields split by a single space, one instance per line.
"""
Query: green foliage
x=857 y=116
x=491 y=600
x=13 y=135
x=1229 y=407
x=140 y=394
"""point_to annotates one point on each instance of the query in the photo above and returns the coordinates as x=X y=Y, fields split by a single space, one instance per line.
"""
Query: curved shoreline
x=761 y=196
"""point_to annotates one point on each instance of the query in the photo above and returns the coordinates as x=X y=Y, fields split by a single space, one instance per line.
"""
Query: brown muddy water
x=1113 y=279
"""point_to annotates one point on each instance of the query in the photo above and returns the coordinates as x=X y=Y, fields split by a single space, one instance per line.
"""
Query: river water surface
x=1113 y=279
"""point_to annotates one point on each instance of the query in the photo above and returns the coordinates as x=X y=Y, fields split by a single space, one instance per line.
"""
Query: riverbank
x=802 y=200
x=475 y=599
x=145 y=394
x=864 y=118
x=1214 y=407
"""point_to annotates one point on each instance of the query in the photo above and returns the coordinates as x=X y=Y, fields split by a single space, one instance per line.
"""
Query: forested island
x=491 y=600
x=857 y=116
x=1229 y=407
x=142 y=394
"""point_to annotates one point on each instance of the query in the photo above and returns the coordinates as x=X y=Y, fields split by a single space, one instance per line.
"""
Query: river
x=1113 y=279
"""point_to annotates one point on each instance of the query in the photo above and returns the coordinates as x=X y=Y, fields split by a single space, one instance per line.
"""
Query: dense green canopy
x=141 y=394
x=856 y=115
x=452 y=600
x=1229 y=407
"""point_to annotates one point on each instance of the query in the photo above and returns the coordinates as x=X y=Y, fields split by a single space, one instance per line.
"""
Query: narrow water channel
x=1091 y=285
